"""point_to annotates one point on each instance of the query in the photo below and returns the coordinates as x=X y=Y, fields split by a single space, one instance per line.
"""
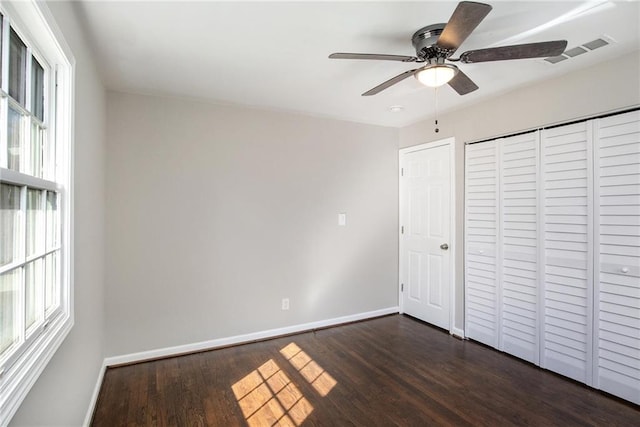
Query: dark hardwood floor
x=388 y=371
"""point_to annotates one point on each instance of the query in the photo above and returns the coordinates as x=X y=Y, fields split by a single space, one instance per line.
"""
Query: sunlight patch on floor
x=267 y=397
x=320 y=379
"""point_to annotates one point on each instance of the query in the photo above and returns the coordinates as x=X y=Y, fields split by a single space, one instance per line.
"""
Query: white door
x=425 y=220
x=481 y=243
x=567 y=245
x=518 y=246
x=501 y=261
x=617 y=249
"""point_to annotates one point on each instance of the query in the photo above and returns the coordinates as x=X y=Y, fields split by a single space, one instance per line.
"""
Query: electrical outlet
x=285 y=303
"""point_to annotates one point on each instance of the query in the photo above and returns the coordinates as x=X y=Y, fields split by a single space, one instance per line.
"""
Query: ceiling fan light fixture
x=436 y=75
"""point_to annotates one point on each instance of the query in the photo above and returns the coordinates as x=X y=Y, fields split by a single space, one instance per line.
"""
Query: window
x=35 y=190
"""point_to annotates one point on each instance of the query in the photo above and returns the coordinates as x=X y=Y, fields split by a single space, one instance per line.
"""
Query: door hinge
x=401 y=171
x=401 y=287
x=402 y=229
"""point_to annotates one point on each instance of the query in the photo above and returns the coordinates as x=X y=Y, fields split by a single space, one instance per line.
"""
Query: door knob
x=444 y=246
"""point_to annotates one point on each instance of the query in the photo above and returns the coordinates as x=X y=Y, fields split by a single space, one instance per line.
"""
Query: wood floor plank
x=390 y=371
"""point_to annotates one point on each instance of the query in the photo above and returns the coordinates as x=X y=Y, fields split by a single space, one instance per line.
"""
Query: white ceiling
x=274 y=54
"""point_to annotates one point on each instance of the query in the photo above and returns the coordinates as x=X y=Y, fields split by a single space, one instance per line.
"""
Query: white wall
x=591 y=91
x=216 y=213
x=61 y=395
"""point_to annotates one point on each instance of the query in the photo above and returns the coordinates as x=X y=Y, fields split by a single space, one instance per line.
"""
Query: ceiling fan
x=435 y=44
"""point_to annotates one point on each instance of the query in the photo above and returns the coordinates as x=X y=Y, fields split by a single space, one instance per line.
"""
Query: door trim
x=452 y=224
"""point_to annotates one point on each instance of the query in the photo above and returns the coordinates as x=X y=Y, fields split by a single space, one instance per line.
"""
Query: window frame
x=34 y=24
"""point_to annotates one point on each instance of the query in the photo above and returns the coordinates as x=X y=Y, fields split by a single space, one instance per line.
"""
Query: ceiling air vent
x=575 y=51
x=556 y=59
x=594 y=44
x=579 y=50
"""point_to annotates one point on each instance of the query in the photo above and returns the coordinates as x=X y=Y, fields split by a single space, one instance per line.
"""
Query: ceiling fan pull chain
x=436 y=96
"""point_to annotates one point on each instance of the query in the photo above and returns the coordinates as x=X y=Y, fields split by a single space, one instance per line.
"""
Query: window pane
x=14 y=136
x=33 y=292
x=1 y=34
x=52 y=220
x=51 y=281
x=10 y=235
x=17 y=68
x=35 y=219
x=37 y=89
x=36 y=150
x=9 y=285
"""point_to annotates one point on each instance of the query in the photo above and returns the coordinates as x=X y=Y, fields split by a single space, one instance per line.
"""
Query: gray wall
x=61 y=395
x=216 y=213
x=602 y=88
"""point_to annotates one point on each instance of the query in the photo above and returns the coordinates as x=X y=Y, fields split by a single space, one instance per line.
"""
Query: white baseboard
x=457 y=332
x=94 y=396
x=221 y=342
x=239 y=339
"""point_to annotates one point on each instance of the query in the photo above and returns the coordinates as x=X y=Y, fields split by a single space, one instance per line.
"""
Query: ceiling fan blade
x=464 y=20
x=519 y=51
x=462 y=84
x=388 y=83
x=380 y=57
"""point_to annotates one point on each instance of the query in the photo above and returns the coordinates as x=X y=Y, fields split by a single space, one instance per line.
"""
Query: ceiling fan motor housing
x=425 y=42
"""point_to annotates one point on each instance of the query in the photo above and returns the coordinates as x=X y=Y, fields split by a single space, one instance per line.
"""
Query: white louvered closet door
x=481 y=230
x=518 y=266
x=566 y=185
x=552 y=240
x=617 y=200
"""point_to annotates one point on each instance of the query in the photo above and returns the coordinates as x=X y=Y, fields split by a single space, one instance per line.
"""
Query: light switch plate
x=342 y=219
